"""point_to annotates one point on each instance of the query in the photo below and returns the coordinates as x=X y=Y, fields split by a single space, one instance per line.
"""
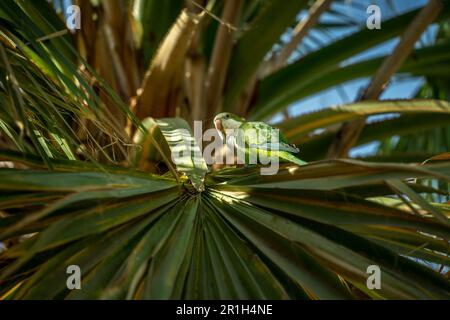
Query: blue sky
x=399 y=88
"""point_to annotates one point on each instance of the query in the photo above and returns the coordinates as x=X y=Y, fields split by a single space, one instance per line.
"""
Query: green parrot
x=259 y=136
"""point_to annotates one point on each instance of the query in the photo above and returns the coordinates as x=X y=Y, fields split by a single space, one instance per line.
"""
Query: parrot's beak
x=218 y=125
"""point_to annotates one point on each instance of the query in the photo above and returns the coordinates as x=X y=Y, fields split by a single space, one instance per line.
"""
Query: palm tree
x=89 y=119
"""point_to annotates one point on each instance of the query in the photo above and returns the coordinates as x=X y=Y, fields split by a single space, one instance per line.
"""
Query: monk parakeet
x=256 y=137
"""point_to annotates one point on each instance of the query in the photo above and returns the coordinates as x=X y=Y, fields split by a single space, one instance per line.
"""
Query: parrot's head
x=227 y=121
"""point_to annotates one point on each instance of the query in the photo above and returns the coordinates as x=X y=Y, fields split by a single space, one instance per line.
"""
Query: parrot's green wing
x=260 y=135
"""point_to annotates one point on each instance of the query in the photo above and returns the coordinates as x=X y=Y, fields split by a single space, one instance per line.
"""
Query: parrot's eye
x=227 y=116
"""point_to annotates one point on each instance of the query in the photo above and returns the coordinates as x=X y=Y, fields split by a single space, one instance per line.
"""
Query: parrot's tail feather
x=296 y=149
x=290 y=157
